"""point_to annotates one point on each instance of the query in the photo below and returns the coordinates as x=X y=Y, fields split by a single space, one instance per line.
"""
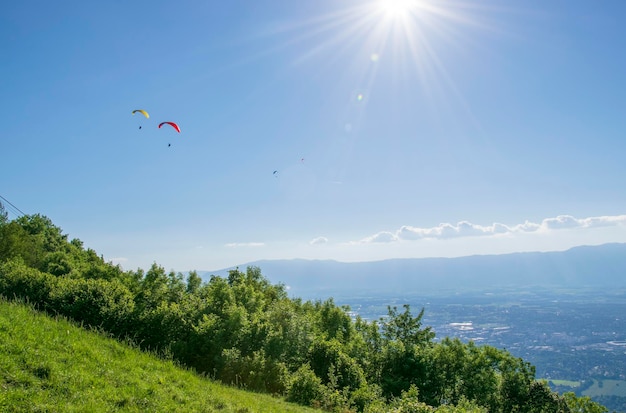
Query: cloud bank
x=468 y=229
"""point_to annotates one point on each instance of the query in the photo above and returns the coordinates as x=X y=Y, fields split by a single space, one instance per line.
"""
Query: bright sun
x=397 y=8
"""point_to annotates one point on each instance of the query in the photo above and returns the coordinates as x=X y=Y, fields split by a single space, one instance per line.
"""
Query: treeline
x=244 y=331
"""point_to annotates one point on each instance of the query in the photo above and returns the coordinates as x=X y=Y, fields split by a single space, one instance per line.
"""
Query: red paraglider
x=172 y=124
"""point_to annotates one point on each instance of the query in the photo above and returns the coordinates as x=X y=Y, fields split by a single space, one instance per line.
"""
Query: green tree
x=336 y=369
x=153 y=289
x=96 y=303
x=463 y=371
x=583 y=404
x=404 y=356
x=542 y=399
x=57 y=263
x=405 y=328
x=306 y=388
x=333 y=322
x=193 y=282
x=22 y=281
x=15 y=242
x=366 y=347
x=289 y=332
x=49 y=236
x=450 y=358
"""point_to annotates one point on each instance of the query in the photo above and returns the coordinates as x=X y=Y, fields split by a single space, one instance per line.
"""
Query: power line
x=12 y=208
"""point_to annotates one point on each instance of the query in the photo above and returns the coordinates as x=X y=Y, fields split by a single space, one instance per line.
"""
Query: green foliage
x=464 y=371
x=336 y=369
x=582 y=404
x=306 y=387
x=333 y=321
x=16 y=243
x=254 y=372
x=246 y=332
x=96 y=303
x=19 y=280
x=194 y=282
x=288 y=332
x=366 y=395
x=409 y=402
x=405 y=328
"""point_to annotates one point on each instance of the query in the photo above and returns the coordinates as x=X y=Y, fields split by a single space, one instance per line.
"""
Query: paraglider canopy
x=143 y=112
x=172 y=124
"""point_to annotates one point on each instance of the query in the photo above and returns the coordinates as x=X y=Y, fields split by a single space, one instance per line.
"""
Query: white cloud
x=500 y=228
x=562 y=221
x=468 y=229
x=445 y=230
x=568 y=221
x=526 y=227
x=244 y=244
x=381 y=237
x=319 y=241
x=606 y=221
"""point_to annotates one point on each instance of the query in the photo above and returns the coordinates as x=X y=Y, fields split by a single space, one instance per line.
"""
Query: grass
x=566 y=383
x=52 y=365
x=606 y=388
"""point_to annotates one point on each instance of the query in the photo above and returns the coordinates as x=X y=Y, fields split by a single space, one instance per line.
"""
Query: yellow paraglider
x=143 y=112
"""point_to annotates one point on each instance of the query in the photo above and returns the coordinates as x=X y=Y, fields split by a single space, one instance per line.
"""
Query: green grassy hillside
x=606 y=388
x=49 y=365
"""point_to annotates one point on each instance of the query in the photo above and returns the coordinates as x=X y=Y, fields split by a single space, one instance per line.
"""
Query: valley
x=576 y=339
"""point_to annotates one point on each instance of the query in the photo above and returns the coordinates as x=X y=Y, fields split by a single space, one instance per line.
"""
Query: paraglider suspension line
x=12 y=208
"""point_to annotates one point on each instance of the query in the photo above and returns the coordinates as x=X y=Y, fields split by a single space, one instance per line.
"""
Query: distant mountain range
x=602 y=266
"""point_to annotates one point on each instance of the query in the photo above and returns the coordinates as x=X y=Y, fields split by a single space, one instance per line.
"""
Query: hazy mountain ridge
x=601 y=266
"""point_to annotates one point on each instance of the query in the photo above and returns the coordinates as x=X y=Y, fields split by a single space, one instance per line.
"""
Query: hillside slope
x=54 y=366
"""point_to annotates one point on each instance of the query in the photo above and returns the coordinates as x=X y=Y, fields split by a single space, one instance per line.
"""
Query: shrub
x=17 y=280
x=305 y=387
x=96 y=303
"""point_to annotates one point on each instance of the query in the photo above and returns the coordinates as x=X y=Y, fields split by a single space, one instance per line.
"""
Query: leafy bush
x=306 y=388
x=96 y=303
x=21 y=281
x=254 y=372
x=336 y=368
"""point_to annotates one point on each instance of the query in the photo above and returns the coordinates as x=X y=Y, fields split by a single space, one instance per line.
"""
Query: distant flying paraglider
x=143 y=112
x=172 y=124
x=275 y=173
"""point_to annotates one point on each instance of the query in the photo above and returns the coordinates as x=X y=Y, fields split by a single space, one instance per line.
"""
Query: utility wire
x=12 y=208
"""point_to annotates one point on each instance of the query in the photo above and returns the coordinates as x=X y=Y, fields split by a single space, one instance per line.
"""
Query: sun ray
x=416 y=40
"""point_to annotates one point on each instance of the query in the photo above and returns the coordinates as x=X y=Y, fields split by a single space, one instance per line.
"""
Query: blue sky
x=422 y=128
